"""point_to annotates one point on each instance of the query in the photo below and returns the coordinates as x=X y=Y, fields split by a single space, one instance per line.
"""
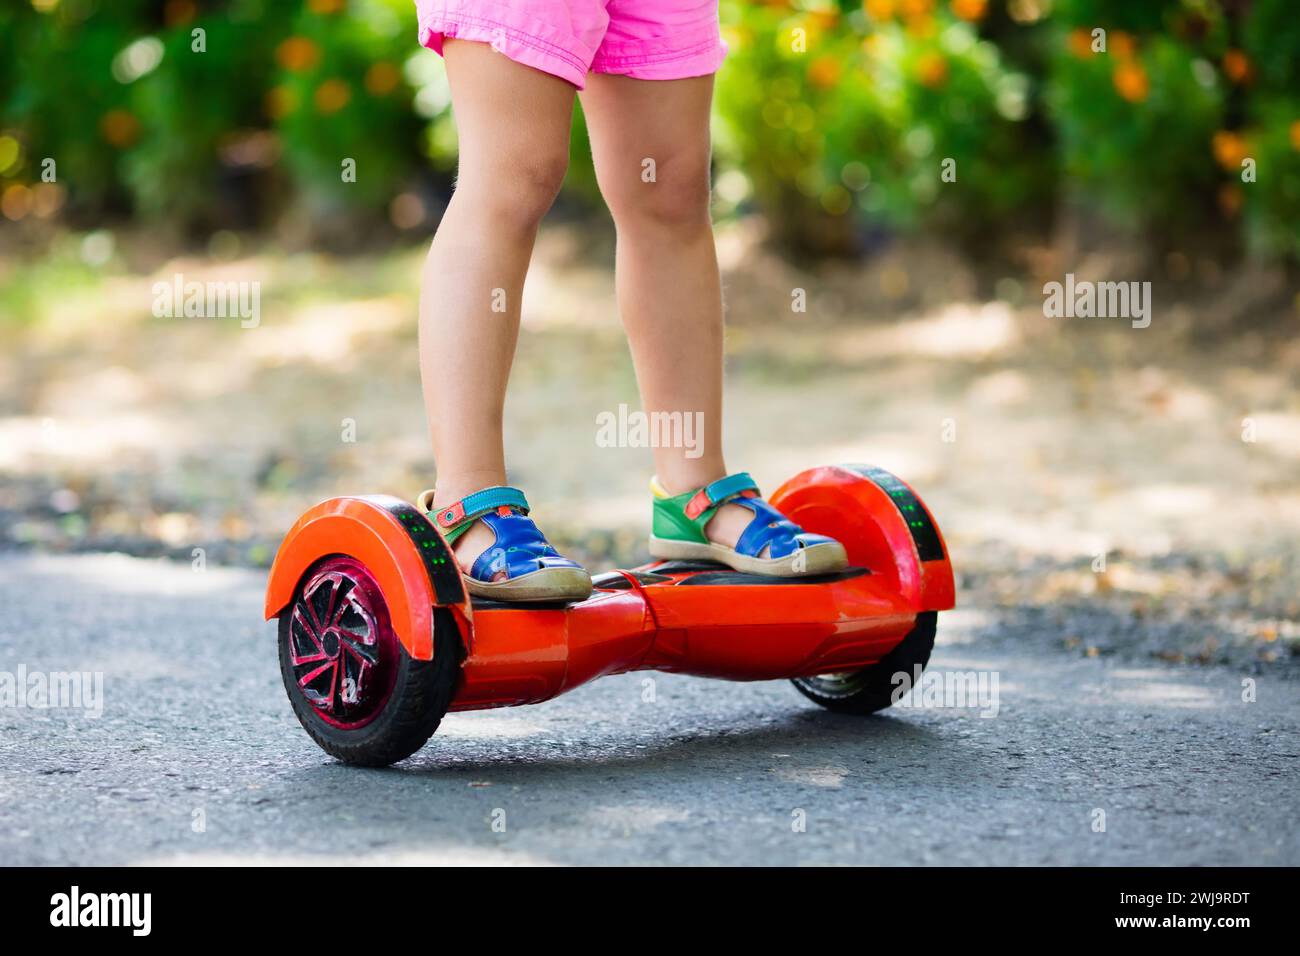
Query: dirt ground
x=1104 y=489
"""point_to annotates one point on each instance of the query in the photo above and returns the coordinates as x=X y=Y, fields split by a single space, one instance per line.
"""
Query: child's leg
x=513 y=124
x=669 y=291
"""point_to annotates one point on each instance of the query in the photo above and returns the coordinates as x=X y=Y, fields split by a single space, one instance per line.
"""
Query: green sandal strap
x=684 y=516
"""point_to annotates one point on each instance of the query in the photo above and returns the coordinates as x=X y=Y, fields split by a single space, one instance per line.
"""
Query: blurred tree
x=836 y=119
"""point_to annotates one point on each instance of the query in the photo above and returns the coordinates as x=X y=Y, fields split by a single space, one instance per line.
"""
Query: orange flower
x=1230 y=199
x=47 y=199
x=332 y=95
x=824 y=72
x=879 y=9
x=297 y=53
x=922 y=27
x=970 y=9
x=119 y=128
x=1131 y=82
x=918 y=15
x=1229 y=149
x=1121 y=44
x=1080 y=43
x=179 y=12
x=1295 y=136
x=1237 y=66
x=932 y=70
x=382 y=78
x=324 y=6
x=824 y=19
x=16 y=201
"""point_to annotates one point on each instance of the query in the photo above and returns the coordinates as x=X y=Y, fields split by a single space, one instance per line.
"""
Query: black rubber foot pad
x=730 y=577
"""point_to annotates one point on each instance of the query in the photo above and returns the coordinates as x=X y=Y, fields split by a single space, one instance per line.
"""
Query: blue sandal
x=678 y=532
x=520 y=565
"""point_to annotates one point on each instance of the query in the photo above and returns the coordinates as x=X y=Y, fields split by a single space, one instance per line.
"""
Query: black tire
x=421 y=694
x=871 y=689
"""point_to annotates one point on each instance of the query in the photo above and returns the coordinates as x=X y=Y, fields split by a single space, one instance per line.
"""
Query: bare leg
x=513 y=124
x=650 y=140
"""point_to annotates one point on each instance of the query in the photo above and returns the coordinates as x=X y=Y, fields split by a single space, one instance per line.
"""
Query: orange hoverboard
x=379 y=639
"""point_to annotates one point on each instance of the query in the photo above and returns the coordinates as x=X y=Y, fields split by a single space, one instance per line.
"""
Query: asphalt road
x=197 y=758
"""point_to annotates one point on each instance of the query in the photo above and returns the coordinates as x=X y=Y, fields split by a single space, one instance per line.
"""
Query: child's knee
x=669 y=194
x=519 y=188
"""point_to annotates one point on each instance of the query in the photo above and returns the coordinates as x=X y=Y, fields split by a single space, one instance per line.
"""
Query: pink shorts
x=644 y=39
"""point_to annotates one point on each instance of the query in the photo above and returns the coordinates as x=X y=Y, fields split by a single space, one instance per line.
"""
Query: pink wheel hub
x=341 y=644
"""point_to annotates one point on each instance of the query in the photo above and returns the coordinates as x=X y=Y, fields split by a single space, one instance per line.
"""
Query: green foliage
x=159 y=112
x=340 y=95
x=1271 y=43
x=1157 y=129
x=1135 y=126
x=836 y=118
x=1271 y=37
x=840 y=121
x=190 y=111
x=58 y=93
x=1272 y=202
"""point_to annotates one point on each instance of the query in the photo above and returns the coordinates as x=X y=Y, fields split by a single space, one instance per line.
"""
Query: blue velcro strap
x=460 y=514
x=724 y=488
x=489 y=499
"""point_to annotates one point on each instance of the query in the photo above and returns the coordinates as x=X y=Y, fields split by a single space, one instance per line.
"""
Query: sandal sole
x=819 y=559
x=546 y=584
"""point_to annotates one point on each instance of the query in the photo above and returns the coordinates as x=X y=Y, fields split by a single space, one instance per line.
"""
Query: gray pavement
x=197 y=758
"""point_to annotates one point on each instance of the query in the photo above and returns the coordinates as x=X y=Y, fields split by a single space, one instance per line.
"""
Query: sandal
x=678 y=532
x=520 y=565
